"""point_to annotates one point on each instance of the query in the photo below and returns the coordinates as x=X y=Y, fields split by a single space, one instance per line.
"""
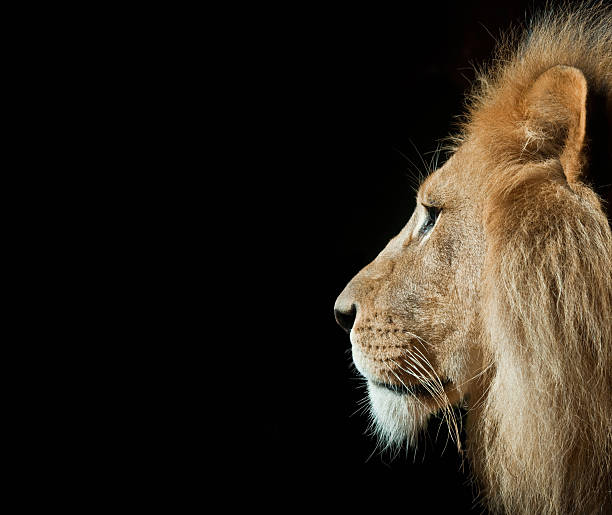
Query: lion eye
x=432 y=215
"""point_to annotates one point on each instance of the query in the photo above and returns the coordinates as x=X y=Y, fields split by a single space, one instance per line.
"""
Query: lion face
x=412 y=313
x=498 y=291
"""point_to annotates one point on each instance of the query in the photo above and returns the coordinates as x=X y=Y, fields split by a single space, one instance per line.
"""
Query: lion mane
x=538 y=134
x=543 y=442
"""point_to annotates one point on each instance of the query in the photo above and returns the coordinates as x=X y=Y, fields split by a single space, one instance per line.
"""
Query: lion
x=497 y=294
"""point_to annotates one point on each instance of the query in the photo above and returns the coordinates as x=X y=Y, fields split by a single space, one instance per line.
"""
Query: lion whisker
x=477 y=375
x=452 y=420
x=439 y=396
x=404 y=384
x=421 y=380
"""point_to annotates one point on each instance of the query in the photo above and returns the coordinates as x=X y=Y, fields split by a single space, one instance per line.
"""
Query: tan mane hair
x=544 y=434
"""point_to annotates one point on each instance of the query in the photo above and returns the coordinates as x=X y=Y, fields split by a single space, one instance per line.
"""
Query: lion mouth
x=419 y=389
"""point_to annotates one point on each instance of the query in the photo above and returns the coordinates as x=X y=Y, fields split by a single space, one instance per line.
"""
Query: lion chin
x=397 y=418
x=401 y=409
x=497 y=294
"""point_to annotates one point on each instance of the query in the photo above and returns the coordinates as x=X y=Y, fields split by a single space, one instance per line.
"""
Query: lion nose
x=345 y=316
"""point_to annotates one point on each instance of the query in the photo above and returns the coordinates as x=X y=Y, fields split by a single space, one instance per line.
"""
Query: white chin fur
x=397 y=419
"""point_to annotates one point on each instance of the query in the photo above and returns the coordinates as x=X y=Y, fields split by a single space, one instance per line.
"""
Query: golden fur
x=505 y=304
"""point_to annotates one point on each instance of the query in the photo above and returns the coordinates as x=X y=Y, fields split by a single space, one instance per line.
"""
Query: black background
x=347 y=109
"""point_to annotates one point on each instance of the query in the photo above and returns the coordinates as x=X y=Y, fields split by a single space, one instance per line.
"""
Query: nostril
x=346 y=319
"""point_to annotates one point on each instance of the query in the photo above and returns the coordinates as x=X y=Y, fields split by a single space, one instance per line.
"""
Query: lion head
x=497 y=294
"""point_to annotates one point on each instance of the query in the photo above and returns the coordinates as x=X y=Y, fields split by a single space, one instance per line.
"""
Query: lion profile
x=497 y=294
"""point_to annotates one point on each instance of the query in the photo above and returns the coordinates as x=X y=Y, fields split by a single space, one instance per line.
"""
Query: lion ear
x=555 y=117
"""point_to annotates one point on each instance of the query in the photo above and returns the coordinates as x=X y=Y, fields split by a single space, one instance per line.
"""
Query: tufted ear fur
x=555 y=118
